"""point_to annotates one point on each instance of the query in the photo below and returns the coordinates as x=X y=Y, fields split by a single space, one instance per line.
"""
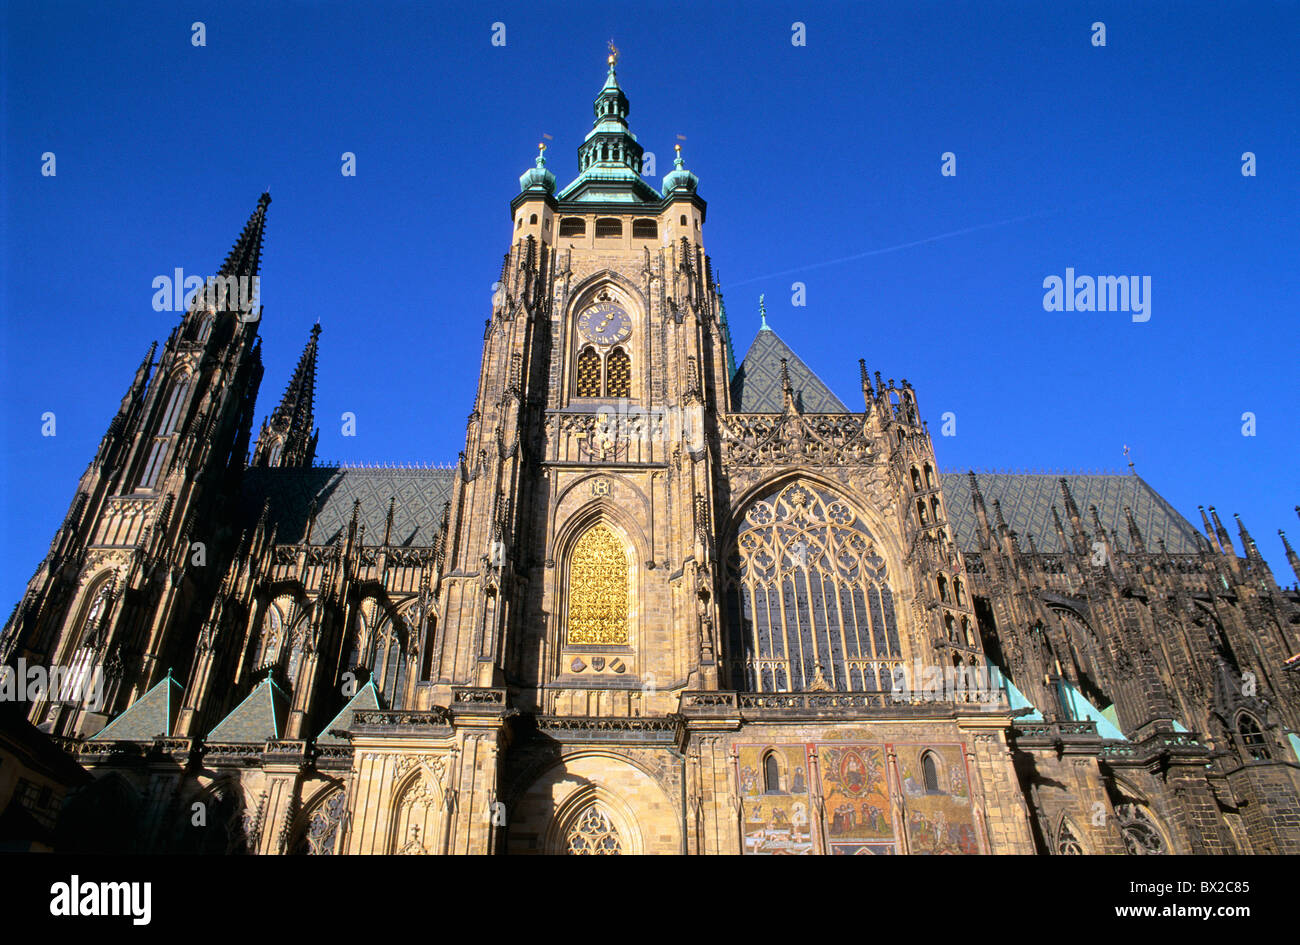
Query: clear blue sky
x=1119 y=160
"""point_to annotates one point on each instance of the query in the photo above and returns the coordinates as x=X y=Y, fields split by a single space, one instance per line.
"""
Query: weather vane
x=613 y=53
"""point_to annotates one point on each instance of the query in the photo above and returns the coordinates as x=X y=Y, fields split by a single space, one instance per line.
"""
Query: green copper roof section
x=609 y=158
x=538 y=178
x=679 y=178
x=151 y=716
x=366 y=698
x=1294 y=739
x=259 y=718
x=1082 y=710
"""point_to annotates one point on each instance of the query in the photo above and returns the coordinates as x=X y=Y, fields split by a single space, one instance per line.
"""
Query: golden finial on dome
x=613 y=54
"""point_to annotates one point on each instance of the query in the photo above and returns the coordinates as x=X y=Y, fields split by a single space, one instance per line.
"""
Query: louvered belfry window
x=619 y=369
x=588 y=373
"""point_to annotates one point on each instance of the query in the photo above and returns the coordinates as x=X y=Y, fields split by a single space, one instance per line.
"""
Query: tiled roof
x=1027 y=501
x=259 y=718
x=420 y=495
x=366 y=698
x=149 y=717
x=756 y=388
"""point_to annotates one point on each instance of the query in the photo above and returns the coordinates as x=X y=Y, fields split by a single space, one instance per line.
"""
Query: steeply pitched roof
x=259 y=718
x=366 y=698
x=1027 y=501
x=417 y=516
x=756 y=388
x=149 y=717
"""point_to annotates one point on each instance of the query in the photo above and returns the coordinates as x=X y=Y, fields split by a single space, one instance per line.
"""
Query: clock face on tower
x=605 y=323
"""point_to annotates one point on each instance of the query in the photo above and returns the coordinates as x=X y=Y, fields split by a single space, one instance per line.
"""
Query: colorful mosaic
x=855 y=789
x=936 y=797
x=776 y=799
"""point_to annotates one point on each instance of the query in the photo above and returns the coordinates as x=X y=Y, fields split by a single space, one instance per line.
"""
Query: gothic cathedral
x=664 y=602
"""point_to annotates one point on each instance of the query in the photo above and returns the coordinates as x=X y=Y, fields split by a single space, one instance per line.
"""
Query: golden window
x=620 y=374
x=598 y=591
x=588 y=373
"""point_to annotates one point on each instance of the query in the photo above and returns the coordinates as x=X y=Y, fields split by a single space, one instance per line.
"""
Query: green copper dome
x=538 y=178
x=679 y=178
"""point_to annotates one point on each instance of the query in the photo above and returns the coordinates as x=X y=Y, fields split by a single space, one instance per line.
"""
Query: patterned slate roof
x=259 y=718
x=420 y=495
x=150 y=716
x=366 y=698
x=1027 y=501
x=756 y=388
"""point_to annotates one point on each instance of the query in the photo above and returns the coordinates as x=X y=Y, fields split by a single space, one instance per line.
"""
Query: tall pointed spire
x=245 y=257
x=1291 y=556
x=288 y=438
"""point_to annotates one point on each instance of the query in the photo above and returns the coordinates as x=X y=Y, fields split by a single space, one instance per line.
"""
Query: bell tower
x=578 y=567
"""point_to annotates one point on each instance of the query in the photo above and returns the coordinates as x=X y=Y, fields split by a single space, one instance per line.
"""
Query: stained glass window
x=807 y=591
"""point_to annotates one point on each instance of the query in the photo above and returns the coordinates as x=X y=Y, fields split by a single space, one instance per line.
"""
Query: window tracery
x=1141 y=837
x=806 y=586
x=593 y=834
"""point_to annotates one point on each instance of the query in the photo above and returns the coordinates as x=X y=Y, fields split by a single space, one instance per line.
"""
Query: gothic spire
x=288 y=438
x=245 y=258
x=1290 y=554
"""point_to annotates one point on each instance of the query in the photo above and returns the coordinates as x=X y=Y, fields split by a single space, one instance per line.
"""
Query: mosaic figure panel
x=937 y=801
x=775 y=795
x=855 y=791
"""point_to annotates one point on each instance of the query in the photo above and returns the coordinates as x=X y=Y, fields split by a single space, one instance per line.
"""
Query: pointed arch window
x=1252 y=737
x=167 y=427
x=619 y=370
x=75 y=687
x=598 y=589
x=930 y=773
x=807 y=590
x=1141 y=836
x=771 y=774
x=390 y=665
x=588 y=383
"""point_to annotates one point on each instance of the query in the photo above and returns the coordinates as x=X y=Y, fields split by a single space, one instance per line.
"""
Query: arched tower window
x=1252 y=737
x=588 y=381
x=390 y=665
x=76 y=686
x=805 y=589
x=619 y=371
x=170 y=421
x=930 y=773
x=598 y=589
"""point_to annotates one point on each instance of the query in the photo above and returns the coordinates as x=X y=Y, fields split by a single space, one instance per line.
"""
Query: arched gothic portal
x=808 y=603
